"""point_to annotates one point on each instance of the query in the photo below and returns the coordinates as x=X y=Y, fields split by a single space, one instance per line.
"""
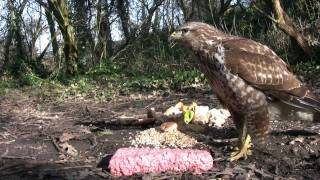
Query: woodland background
x=103 y=48
x=78 y=76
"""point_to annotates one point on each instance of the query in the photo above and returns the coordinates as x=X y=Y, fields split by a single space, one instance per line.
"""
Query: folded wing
x=263 y=69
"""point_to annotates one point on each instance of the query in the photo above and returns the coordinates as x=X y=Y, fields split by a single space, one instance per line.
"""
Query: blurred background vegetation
x=102 y=48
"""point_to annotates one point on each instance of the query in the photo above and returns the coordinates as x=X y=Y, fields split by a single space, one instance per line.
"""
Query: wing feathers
x=263 y=69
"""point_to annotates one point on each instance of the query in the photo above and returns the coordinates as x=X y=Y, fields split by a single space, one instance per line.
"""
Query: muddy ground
x=44 y=138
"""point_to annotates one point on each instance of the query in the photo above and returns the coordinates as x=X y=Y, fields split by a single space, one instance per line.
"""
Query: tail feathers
x=281 y=111
x=303 y=97
x=306 y=102
x=311 y=101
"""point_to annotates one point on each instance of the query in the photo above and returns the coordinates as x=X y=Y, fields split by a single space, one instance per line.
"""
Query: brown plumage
x=244 y=74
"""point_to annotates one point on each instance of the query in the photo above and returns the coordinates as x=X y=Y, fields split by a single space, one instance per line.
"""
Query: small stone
x=218 y=117
x=295 y=151
x=172 y=111
x=169 y=126
x=297 y=139
x=201 y=115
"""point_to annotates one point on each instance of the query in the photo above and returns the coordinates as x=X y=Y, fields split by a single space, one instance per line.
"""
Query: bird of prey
x=244 y=75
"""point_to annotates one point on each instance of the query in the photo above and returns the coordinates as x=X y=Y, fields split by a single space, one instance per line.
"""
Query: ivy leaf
x=188 y=116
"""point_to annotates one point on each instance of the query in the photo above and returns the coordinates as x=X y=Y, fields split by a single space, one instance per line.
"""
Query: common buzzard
x=244 y=75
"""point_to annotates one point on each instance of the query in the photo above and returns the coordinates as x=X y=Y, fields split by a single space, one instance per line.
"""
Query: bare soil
x=43 y=138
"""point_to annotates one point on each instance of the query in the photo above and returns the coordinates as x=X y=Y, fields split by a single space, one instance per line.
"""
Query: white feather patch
x=210 y=42
x=219 y=55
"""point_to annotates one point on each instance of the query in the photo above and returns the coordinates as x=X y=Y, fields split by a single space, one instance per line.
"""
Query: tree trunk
x=82 y=30
x=60 y=11
x=14 y=35
x=107 y=27
x=53 y=35
x=146 y=24
x=123 y=12
x=156 y=21
x=34 y=29
x=195 y=9
x=224 y=5
x=7 y=47
x=108 y=37
x=104 y=44
x=285 y=23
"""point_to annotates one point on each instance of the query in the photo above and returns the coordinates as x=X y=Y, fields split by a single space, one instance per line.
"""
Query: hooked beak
x=174 y=36
x=172 y=39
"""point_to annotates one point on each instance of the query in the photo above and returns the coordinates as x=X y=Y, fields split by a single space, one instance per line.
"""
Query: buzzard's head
x=196 y=34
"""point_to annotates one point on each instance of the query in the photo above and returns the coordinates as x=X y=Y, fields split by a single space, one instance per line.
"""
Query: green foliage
x=121 y=81
x=188 y=116
x=7 y=85
x=107 y=80
x=193 y=78
x=30 y=79
x=307 y=69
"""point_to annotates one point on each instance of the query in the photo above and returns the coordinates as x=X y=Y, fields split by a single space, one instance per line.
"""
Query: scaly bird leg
x=245 y=149
x=245 y=143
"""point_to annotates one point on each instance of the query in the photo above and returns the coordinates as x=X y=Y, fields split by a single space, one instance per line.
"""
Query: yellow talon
x=244 y=151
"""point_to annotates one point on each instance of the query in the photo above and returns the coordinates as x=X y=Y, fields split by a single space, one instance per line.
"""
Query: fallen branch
x=261 y=172
x=18 y=157
x=285 y=23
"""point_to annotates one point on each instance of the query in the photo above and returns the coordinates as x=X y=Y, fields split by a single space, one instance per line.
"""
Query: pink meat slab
x=129 y=161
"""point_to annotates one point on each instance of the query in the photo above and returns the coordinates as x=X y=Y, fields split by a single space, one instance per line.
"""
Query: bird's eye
x=184 y=30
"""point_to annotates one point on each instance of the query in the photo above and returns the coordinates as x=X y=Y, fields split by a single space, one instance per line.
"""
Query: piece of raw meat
x=129 y=161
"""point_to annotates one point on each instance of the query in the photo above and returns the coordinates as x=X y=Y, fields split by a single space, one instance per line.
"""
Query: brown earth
x=43 y=138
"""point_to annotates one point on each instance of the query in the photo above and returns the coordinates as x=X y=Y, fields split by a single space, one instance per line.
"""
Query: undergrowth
x=307 y=69
x=106 y=81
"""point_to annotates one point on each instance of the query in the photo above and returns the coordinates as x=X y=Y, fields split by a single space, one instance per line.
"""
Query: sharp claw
x=244 y=151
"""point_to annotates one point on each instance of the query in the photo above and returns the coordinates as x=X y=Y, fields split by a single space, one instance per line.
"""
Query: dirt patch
x=33 y=130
